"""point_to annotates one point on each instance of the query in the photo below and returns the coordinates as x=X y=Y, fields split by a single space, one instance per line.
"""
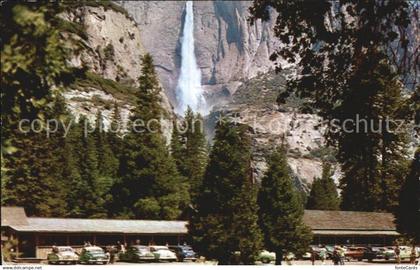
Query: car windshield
x=96 y=251
x=143 y=249
x=65 y=249
x=161 y=248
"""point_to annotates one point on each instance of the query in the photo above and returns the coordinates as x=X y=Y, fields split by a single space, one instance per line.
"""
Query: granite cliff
x=228 y=48
x=233 y=57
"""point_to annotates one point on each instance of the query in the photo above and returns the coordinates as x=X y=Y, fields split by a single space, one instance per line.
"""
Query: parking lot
x=294 y=262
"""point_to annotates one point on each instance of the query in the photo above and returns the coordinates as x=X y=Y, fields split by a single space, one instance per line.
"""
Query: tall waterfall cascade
x=189 y=91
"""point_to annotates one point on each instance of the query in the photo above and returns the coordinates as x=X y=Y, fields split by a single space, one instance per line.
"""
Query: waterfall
x=189 y=91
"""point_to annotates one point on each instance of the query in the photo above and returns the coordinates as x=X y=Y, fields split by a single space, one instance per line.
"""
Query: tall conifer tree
x=189 y=149
x=225 y=219
x=408 y=211
x=281 y=211
x=323 y=195
x=151 y=186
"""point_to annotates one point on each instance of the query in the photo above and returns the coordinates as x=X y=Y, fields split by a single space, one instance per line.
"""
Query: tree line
x=357 y=59
x=139 y=176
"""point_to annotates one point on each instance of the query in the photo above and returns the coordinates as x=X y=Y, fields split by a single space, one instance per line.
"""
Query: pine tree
x=348 y=74
x=189 y=150
x=33 y=176
x=323 y=195
x=280 y=210
x=373 y=152
x=115 y=132
x=196 y=151
x=408 y=210
x=108 y=164
x=86 y=192
x=34 y=63
x=33 y=56
x=151 y=186
x=178 y=146
x=225 y=219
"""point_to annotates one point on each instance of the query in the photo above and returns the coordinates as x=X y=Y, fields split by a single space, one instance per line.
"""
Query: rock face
x=271 y=128
x=111 y=49
x=231 y=53
x=233 y=57
x=254 y=104
x=228 y=49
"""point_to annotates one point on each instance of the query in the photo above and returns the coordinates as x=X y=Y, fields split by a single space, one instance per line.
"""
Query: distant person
x=413 y=256
x=342 y=254
x=313 y=256
x=138 y=242
x=335 y=257
x=120 y=246
x=112 y=250
x=322 y=254
x=397 y=252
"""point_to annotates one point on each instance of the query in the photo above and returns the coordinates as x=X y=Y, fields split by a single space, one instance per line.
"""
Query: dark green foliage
x=33 y=59
x=373 y=154
x=178 y=145
x=346 y=72
x=261 y=90
x=408 y=211
x=106 y=4
x=280 y=210
x=33 y=181
x=323 y=195
x=117 y=90
x=150 y=186
x=72 y=27
x=225 y=219
x=33 y=172
x=108 y=164
x=109 y=52
x=86 y=191
x=315 y=31
x=326 y=154
x=115 y=133
x=189 y=149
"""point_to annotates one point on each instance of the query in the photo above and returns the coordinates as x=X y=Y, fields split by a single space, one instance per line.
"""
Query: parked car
x=137 y=253
x=372 y=253
x=317 y=249
x=307 y=255
x=266 y=256
x=355 y=253
x=162 y=253
x=93 y=255
x=183 y=252
x=330 y=251
x=62 y=254
x=389 y=253
x=405 y=252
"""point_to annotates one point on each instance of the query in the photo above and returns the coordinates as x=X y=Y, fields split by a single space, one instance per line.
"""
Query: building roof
x=74 y=225
x=353 y=233
x=338 y=223
x=349 y=220
x=11 y=216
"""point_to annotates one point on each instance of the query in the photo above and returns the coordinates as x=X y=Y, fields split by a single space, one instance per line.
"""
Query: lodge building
x=36 y=236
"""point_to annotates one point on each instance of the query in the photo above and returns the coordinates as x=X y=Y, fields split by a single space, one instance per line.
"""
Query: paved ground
x=300 y=262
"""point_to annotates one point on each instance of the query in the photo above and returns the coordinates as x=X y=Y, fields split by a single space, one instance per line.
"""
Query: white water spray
x=189 y=91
